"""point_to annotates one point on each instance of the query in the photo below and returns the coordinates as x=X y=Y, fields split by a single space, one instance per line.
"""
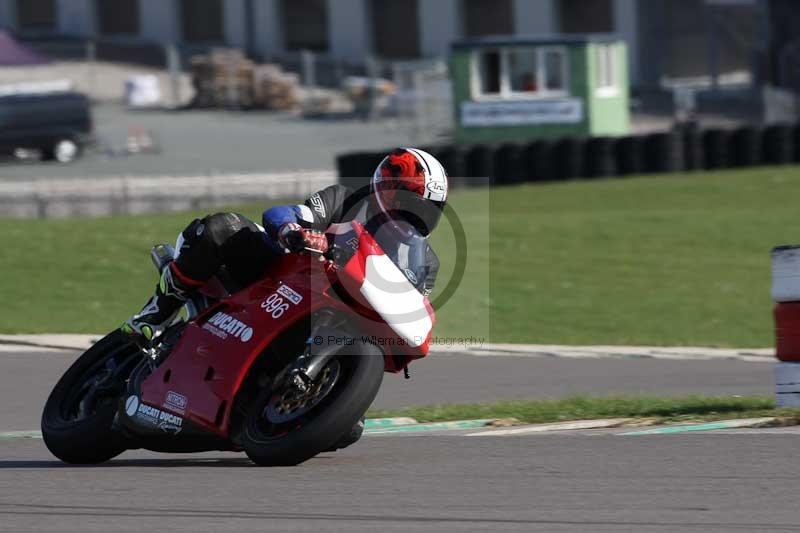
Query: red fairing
x=216 y=349
x=403 y=315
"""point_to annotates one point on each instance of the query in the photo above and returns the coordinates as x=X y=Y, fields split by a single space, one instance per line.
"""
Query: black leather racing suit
x=246 y=249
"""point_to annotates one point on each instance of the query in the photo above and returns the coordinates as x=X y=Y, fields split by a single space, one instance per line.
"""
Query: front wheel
x=79 y=413
x=283 y=428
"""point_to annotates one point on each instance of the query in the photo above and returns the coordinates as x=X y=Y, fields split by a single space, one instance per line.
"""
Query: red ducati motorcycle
x=282 y=369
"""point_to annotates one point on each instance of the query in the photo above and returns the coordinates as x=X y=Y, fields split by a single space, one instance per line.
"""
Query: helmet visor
x=410 y=207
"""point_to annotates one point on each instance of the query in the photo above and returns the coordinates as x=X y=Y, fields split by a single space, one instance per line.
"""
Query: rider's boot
x=171 y=293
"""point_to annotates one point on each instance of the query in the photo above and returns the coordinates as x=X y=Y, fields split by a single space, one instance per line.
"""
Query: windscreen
x=407 y=250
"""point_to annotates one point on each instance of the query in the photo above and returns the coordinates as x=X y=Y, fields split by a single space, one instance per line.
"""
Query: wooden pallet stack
x=275 y=88
x=226 y=78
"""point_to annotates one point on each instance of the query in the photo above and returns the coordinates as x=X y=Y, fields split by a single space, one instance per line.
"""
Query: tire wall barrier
x=694 y=156
x=509 y=164
x=715 y=146
x=746 y=147
x=663 y=152
x=630 y=155
x=568 y=158
x=569 y=154
x=778 y=145
x=601 y=157
x=539 y=158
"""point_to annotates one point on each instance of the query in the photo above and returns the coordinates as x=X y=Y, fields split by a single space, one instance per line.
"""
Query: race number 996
x=274 y=305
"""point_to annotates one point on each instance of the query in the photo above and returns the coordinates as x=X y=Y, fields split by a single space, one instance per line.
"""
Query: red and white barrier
x=786 y=295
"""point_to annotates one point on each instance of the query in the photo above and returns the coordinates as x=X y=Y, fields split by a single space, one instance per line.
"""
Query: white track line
x=557 y=426
x=760 y=355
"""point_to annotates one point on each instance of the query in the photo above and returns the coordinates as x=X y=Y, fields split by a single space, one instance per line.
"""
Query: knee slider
x=219 y=227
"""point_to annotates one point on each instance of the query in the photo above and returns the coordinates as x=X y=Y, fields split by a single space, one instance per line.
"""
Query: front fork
x=306 y=369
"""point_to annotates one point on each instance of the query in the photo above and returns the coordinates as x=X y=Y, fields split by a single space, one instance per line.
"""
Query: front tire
x=326 y=423
x=79 y=413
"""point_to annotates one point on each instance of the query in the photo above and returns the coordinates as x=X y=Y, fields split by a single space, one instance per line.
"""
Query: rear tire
x=332 y=419
x=89 y=439
x=62 y=150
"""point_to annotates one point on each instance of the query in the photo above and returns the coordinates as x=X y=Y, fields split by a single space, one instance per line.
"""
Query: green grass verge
x=669 y=260
x=586 y=408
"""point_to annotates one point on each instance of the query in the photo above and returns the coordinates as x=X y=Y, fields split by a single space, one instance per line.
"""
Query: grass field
x=661 y=410
x=671 y=260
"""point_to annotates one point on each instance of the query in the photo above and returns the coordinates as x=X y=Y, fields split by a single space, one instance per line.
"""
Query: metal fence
x=55 y=198
x=423 y=101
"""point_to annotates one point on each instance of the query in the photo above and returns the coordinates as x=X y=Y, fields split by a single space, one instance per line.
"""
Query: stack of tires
x=663 y=152
x=715 y=147
x=779 y=145
x=630 y=155
x=540 y=160
x=569 y=158
x=745 y=147
x=601 y=157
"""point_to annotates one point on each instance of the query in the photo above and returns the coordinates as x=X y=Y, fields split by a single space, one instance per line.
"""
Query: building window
x=487 y=17
x=520 y=72
x=118 y=17
x=202 y=20
x=489 y=72
x=607 y=69
x=395 y=28
x=36 y=14
x=305 y=24
x=580 y=16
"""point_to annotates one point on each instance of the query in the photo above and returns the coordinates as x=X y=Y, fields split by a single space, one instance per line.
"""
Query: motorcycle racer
x=407 y=194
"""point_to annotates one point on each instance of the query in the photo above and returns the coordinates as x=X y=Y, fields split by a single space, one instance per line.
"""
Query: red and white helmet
x=410 y=187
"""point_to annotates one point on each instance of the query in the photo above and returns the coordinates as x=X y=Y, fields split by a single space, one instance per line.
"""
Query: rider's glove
x=295 y=238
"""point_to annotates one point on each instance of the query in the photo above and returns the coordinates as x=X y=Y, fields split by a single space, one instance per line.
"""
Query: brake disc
x=290 y=403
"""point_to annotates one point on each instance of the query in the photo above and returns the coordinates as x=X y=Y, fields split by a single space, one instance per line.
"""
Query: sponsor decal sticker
x=223 y=325
x=176 y=402
x=152 y=415
x=275 y=304
x=131 y=405
x=436 y=187
x=290 y=294
x=319 y=207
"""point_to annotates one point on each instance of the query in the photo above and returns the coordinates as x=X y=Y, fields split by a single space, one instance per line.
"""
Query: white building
x=658 y=32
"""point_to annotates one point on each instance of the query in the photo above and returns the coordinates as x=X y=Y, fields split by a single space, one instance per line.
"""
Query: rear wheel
x=78 y=416
x=285 y=428
x=62 y=150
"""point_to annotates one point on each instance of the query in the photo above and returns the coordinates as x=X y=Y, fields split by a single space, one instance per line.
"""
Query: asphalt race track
x=744 y=481
x=598 y=481
x=26 y=377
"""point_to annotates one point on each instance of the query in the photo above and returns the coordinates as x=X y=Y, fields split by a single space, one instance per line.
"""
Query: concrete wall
x=76 y=17
x=439 y=25
x=349 y=25
x=159 y=20
x=268 y=37
x=535 y=17
x=349 y=31
x=8 y=15
x=626 y=25
x=235 y=23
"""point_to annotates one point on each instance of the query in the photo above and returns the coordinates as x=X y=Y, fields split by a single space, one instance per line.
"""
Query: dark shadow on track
x=138 y=463
x=7 y=508
x=228 y=462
